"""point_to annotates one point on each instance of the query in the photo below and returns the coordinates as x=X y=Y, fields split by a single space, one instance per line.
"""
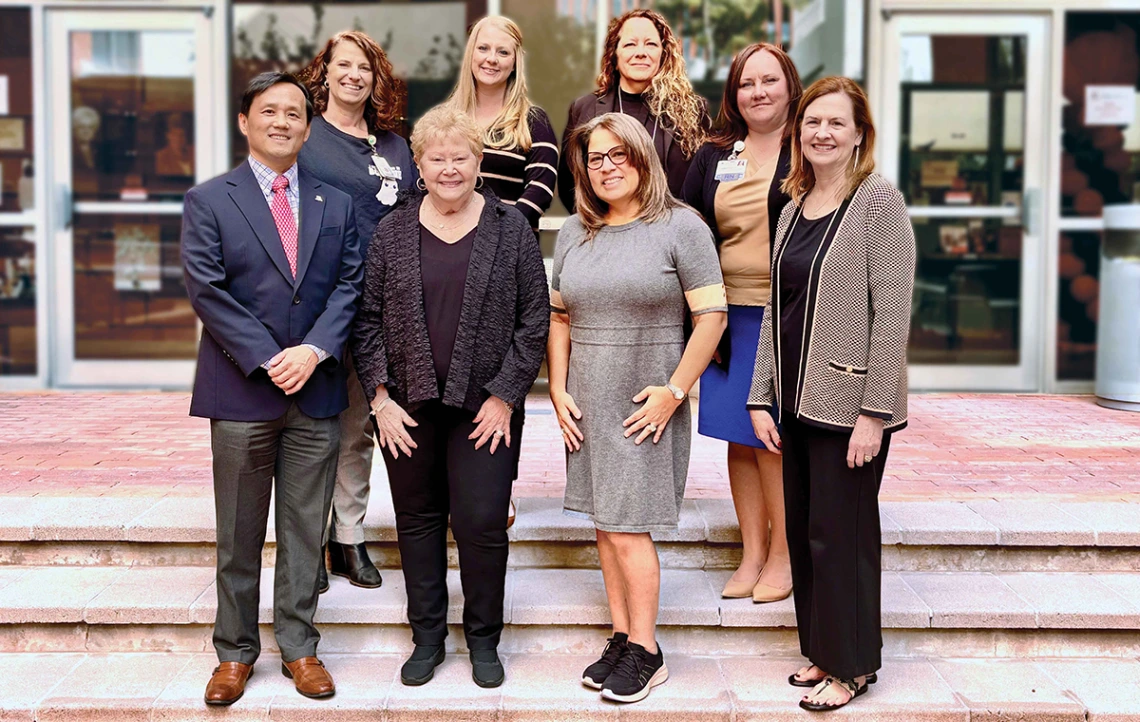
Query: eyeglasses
x=617 y=156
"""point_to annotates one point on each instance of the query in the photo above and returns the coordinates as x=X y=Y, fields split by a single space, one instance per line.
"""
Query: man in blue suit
x=273 y=267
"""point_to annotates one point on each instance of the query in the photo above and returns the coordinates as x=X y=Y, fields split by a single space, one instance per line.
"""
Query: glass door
x=131 y=95
x=963 y=139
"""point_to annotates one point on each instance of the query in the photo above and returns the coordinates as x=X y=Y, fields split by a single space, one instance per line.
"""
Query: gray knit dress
x=627 y=292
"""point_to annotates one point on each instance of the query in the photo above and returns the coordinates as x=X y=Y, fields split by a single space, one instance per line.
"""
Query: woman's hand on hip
x=764 y=426
x=866 y=438
x=567 y=411
x=652 y=417
x=493 y=422
x=391 y=420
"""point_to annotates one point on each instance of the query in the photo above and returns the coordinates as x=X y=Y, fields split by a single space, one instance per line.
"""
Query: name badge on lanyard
x=732 y=169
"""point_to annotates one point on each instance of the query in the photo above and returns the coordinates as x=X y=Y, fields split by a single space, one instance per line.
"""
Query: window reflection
x=17 y=301
x=16 y=141
x=1078 y=289
x=1100 y=160
x=423 y=40
x=967 y=291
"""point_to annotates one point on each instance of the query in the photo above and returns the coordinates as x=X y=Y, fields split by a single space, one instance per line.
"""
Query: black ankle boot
x=323 y=577
x=420 y=667
x=351 y=561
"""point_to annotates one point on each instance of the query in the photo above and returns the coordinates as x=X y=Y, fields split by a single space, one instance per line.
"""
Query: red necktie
x=286 y=224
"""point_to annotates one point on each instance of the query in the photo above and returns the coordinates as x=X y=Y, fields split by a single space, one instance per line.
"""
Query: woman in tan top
x=735 y=183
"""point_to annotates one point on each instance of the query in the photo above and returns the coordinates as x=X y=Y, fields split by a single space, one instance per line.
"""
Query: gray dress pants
x=353 y=468
x=295 y=457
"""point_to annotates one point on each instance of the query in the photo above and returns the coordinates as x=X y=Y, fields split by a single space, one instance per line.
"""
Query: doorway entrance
x=965 y=108
x=130 y=101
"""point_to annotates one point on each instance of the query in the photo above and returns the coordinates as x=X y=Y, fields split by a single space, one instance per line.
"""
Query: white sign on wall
x=1110 y=105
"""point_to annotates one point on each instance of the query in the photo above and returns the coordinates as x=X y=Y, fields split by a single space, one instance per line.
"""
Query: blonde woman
x=448 y=340
x=628 y=269
x=832 y=358
x=643 y=76
x=520 y=151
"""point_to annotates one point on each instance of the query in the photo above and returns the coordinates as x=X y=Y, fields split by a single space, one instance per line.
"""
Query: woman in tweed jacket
x=833 y=354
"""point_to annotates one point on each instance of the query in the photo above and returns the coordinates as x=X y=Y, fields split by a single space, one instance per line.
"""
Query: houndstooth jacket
x=859 y=316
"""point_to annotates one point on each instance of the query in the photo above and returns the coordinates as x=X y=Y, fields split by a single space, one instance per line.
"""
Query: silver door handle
x=1029 y=210
x=65 y=205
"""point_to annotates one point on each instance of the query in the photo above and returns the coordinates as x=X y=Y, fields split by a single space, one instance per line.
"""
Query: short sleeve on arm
x=560 y=247
x=698 y=266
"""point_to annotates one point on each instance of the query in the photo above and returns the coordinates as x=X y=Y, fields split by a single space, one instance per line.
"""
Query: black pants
x=293 y=457
x=836 y=549
x=447 y=475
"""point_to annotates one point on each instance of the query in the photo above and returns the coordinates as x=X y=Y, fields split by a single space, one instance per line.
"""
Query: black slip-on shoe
x=420 y=667
x=486 y=669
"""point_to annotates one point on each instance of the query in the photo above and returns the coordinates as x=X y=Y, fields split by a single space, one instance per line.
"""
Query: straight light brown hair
x=730 y=126
x=652 y=195
x=801 y=177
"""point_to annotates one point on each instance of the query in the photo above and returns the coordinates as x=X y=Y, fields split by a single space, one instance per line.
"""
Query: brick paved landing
x=958 y=446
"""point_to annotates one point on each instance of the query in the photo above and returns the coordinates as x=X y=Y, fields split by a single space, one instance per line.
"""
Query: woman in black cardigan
x=449 y=337
x=734 y=183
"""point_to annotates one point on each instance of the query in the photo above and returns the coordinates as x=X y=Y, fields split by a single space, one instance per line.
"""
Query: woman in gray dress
x=627 y=269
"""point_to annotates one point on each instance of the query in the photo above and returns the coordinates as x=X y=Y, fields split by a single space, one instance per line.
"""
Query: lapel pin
x=320 y=200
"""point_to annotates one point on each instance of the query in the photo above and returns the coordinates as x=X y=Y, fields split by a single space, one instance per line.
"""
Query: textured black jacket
x=700 y=186
x=503 y=323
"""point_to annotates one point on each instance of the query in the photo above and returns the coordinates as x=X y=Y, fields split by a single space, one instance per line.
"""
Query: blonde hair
x=801 y=177
x=510 y=128
x=443 y=122
x=652 y=195
x=670 y=95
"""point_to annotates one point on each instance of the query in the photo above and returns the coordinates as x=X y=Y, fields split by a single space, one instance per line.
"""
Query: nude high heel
x=763 y=593
x=739 y=590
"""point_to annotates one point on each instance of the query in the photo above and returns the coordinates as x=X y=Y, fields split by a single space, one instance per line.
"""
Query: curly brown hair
x=384 y=109
x=670 y=94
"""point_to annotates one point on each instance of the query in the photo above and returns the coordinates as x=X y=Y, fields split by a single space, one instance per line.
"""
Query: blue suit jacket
x=251 y=307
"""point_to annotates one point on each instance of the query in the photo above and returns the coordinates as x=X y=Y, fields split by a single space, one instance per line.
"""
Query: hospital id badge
x=728 y=171
x=386 y=170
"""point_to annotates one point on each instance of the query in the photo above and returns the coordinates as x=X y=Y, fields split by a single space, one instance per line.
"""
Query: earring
x=421 y=184
x=856 y=157
x=478 y=182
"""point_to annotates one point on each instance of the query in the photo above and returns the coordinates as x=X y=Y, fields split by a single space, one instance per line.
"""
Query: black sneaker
x=420 y=667
x=486 y=669
x=636 y=673
x=596 y=674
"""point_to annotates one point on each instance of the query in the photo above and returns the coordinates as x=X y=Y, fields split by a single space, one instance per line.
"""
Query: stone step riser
x=580 y=639
x=579 y=555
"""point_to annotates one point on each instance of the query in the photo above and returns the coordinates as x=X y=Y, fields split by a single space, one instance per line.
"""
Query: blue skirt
x=723 y=412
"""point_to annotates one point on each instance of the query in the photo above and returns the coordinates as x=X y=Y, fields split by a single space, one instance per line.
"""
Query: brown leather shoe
x=228 y=683
x=310 y=677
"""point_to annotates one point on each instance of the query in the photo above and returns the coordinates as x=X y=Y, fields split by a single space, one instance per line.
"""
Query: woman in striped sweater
x=520 y=154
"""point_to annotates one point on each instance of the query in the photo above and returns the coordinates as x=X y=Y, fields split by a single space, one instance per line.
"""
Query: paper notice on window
x=4 y=95
x=1110 y=105
x=137 y=257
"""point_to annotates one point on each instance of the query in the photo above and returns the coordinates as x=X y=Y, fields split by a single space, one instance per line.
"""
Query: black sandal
x=848 y=684
x=795 y=682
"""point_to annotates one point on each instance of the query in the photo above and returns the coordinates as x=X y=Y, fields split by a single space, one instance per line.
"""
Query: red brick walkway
x=960 y=446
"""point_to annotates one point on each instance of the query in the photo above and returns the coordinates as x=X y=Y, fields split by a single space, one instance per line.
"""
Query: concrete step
x=78 y=687
x=987 y=536
x=1015 y=614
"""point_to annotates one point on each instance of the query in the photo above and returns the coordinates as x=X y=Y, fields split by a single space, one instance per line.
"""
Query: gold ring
x=565 y=431
x=867 y=458
x=652 y=428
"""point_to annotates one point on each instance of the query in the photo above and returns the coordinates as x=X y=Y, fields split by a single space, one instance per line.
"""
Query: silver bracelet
x=383 y=403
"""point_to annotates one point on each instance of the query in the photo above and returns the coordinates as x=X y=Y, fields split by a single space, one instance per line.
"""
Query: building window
x=424 y=41
x=17 y=239
x=1100 y=161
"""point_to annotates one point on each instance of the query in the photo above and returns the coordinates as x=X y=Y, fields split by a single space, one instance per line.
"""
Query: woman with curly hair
x=520 y=151
x=354 y=145
x=643 y=76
